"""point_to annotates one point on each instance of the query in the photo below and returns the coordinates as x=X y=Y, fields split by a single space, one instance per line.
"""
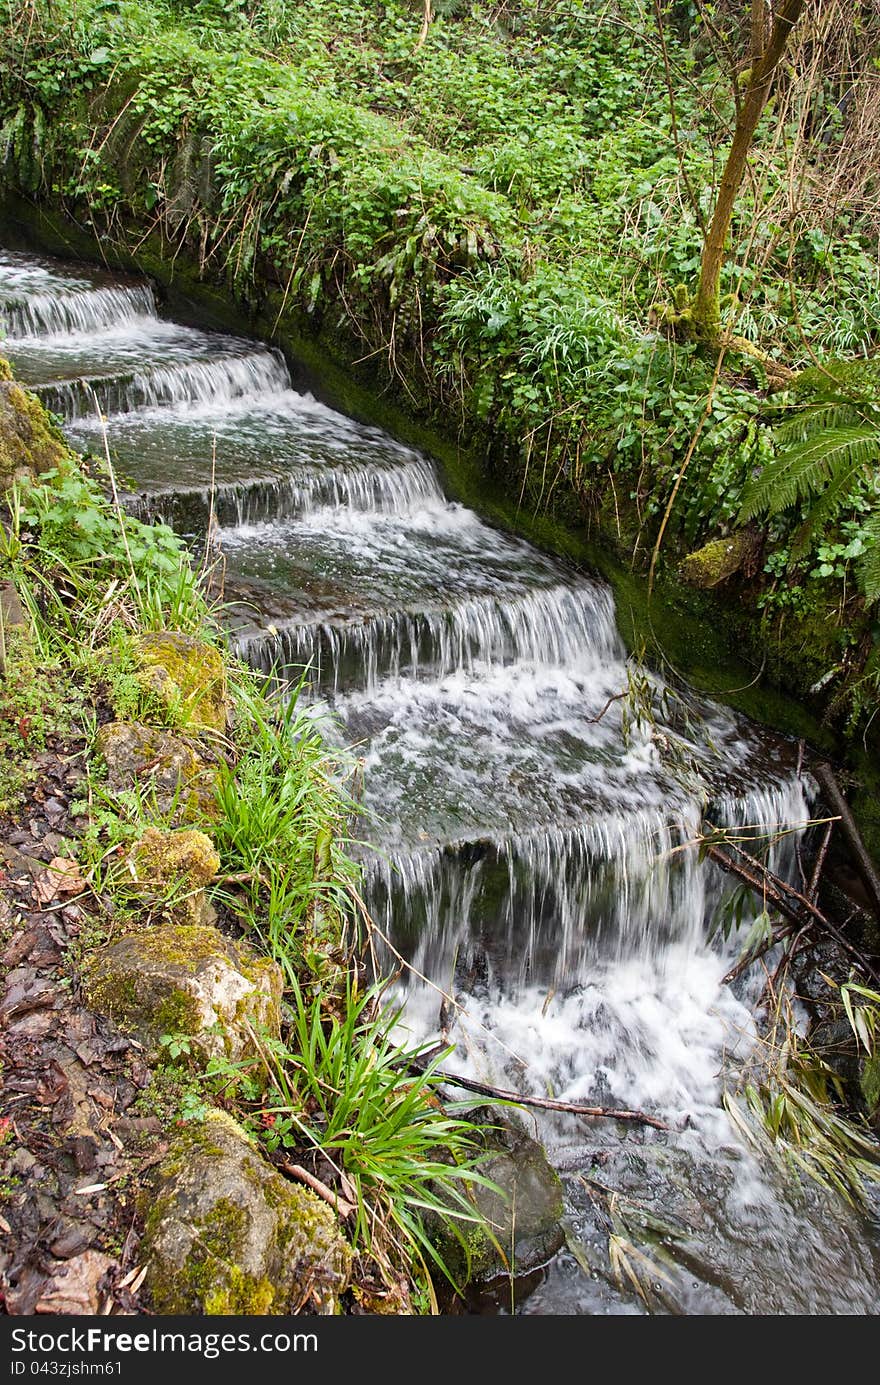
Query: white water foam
x=66 y=318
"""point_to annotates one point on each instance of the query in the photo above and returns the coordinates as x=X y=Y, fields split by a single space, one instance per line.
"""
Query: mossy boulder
x=173 y=868
x=29 y=444
x=719 y=559
x=226 y=1234
x=521 y=1222
x=186 y=674
x=177 y=769
x=186 y=979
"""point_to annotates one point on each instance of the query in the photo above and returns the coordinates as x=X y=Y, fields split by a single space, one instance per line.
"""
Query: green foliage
x=488 y=220
x=282 y=830
x=827 y=446
x=345 y=1087
x=39 y=702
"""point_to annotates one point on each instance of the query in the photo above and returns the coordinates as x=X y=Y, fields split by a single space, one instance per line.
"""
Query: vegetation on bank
x=117 y=655
x=505 y=215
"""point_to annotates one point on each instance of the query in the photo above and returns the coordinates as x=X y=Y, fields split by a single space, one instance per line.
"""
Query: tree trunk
x=706 y=307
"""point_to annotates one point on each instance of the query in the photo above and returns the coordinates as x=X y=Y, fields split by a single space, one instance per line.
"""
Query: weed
x=343 y=1086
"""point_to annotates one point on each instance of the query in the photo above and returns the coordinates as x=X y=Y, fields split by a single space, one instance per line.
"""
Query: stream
x=529 y=794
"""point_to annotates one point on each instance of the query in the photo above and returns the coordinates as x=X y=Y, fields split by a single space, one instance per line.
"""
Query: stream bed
x=530 y=794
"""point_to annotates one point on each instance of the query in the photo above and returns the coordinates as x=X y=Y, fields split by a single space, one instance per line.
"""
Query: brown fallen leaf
x=73 y=1286
x=61 y=877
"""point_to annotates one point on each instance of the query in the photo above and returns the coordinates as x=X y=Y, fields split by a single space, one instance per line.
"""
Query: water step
x=273 y=456
x=78 y=313
x=473 y=757
x=22 y=275
x=545 y=906
x=217 y=376
x=422 y=592
x=490 y=631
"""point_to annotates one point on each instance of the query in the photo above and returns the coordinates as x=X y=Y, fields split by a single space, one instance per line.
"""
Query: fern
x=827 y=446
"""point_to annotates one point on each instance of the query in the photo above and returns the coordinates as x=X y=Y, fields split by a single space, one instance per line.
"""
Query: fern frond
x=869 y=567
x=806 y=420
x=857 y=381
x=806 y=468
x=832 y=498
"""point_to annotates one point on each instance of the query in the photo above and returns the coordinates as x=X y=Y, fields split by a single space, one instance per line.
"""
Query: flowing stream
x=529 y=793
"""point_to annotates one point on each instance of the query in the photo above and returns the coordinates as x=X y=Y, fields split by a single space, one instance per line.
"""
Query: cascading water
x=528 y=803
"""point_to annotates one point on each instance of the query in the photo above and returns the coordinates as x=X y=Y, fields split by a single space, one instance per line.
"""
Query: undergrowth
x=490 y=218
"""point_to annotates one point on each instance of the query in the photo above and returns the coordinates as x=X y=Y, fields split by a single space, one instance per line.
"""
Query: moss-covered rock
x=225 y=1234
x=173 y=868
x=29 y=443
x=177 y=769
x=186 y=674
x=719 y=559
x=185 y=979
x=521 y=1222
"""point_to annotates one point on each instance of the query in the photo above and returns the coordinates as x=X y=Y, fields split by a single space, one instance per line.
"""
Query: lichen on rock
x=226 y=1234
x=173 y=867
x=178 y=769
x=186 y=674
x=190 y=980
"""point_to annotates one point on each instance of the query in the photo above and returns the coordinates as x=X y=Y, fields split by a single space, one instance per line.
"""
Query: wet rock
x=174 y=867
x=523 y=1218
x=226 y=1234
x=186 y=675
x=181 y=979
x=177 y=769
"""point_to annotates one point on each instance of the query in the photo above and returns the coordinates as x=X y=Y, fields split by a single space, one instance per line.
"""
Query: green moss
x=717 y=560
x=209 y=1280
x=253 y=1247
x=175 y=867
x=172 y=767
x=187 y=979
x=125 y=1000
x=28 y=440
x=186 y=674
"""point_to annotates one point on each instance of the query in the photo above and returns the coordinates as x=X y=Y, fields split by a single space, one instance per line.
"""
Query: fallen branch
x=574 y=1108
x=770 y=887
x=824 y=776
x=341 y=1205
x=818 y=865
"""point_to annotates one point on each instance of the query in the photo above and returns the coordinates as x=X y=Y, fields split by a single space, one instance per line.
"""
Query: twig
x=574 y=1108
x=615 y=697
x=339 y=1204
x=815 y=878
x=769 y=886
x=827 y=782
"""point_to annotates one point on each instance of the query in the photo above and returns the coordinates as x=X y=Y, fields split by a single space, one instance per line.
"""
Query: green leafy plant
x=828 y=444
x=283 y=827
x=344 y=1086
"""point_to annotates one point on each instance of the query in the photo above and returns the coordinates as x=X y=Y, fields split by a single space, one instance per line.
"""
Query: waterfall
x=533 y=801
